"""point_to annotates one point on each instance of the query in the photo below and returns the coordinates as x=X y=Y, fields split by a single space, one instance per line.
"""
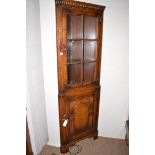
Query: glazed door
x=80 y=48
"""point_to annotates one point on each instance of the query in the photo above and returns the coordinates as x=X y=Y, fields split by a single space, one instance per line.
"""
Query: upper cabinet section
x=79 y=41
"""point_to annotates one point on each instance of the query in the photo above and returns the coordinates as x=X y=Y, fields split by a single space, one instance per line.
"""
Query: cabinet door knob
x=63 y=51
x=65 y=122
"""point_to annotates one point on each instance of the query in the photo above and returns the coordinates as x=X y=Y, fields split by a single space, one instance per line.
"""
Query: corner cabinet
x=79 y=42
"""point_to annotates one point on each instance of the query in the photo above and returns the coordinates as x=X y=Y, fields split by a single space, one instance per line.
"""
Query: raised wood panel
x=82 y=110
x=81 y=123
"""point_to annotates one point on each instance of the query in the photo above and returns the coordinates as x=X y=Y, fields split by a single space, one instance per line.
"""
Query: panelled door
x=81 y=112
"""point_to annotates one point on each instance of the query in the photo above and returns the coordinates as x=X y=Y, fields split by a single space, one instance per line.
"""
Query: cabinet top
x=77 y=4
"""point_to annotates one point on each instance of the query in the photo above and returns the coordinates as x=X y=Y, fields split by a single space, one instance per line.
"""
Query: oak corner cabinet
x=79 y=43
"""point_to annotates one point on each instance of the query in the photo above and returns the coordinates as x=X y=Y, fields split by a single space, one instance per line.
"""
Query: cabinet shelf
x=89 y=61
x=74 y=61
x=78 y=61
x=82 y=40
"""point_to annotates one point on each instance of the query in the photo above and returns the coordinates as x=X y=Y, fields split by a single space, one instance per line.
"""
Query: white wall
x=115 y=70
x=48 y=36
x=36 y=112
x=114 y=74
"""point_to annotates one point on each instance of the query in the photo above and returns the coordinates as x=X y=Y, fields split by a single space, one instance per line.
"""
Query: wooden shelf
x=78 y=61
x=89 y=61
x=82 y=39
x=74 y=61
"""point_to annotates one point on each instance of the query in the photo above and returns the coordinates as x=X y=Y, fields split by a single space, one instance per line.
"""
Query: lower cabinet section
x=78 y=118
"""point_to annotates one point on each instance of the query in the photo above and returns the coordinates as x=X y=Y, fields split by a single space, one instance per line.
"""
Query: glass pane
x=90 y=27
x=75 y=50
x=74 y=27
x=74 y=74
x=90 y=50
x=89 y=71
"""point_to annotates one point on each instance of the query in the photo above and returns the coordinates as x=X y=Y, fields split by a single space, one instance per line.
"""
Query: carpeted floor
x=101 y=146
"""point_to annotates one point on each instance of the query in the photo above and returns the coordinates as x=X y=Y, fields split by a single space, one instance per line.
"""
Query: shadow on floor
x=101 y=146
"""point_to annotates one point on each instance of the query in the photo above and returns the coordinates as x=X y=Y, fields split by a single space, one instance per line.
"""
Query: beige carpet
x=101 y=146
